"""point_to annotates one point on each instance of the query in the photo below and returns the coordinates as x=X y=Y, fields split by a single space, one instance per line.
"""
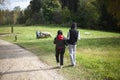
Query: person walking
x=60 y=42
x=72 y=36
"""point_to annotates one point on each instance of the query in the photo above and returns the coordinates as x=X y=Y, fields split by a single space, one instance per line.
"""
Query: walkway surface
x=17 y=63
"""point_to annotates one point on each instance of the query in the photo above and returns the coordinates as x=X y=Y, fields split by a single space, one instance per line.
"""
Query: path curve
x=17 y=63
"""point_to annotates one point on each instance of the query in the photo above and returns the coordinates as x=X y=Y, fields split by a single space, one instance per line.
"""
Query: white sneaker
x=58 y=64
x=73 y=65
x=61 y=67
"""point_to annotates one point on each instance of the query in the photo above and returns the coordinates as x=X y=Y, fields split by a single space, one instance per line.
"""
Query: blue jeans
x=72 y=51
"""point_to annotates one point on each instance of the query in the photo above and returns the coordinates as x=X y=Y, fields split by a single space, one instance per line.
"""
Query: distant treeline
x=89 y=14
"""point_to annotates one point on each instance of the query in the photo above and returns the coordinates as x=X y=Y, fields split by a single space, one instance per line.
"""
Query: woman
x=60 y=48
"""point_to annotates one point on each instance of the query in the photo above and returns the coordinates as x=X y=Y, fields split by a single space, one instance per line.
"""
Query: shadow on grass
x=4 y=33
x=32 y=70
x=25 y=71
x=56 y=67
x=67 y=66
x=21 y=71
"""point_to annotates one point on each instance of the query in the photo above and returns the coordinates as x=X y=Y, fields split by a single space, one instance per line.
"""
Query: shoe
x=73 y=65
x=61 y=67
x=58 y=64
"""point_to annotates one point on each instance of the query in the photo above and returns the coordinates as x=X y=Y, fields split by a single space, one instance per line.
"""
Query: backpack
x=60 y=41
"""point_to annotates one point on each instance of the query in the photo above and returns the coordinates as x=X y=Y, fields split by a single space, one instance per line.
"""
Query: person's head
x=74 y=25
x=59 y=32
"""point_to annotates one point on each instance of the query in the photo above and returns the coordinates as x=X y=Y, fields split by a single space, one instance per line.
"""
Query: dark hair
x=59 y=32
x=74 y=25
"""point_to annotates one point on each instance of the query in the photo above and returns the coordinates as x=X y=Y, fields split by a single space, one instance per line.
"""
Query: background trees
x=88 y=14
x=111 y=9
x=71 y=4
x=51 y=9
x=91 y=14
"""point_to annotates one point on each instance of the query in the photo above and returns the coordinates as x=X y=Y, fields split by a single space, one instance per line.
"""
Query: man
x=73 y=36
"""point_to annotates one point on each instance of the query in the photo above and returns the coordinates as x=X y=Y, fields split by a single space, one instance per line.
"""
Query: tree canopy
x=91 y=14
x=113 y=6
x=113 y=10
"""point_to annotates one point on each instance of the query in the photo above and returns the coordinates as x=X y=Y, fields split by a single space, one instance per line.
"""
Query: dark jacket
x=73 y=37
x=60 y=41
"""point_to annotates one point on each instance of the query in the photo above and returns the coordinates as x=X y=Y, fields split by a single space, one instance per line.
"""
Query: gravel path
x=19 y=64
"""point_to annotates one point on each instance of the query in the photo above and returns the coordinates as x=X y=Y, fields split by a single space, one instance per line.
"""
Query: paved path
x=19 y=64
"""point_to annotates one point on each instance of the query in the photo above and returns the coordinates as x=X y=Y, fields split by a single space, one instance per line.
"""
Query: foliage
x=87 y=15
x=90 y=14
x=57 y=17
x=42 y=11
x=1 y=17
x=21 y=18
x=114 y=8
x=7 y=17
x=107 y=21
x=27 y=13
x=71 y=4
x=66 y=15
x=35 y=6
x=49 y=7
x=29 y=22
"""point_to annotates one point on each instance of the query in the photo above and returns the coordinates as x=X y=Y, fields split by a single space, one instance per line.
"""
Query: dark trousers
x=60 y=55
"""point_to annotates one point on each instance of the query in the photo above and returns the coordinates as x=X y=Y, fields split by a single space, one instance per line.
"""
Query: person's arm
x=54 y=41
x=68 y=35
x=79 y=36
x=65 y=41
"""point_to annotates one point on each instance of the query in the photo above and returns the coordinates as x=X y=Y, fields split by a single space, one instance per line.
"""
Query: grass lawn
x=98 y=53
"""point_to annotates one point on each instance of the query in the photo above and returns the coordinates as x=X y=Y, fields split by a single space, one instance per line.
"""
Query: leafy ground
x=98 y=56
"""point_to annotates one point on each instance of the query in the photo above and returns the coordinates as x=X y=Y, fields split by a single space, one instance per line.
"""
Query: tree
x=28 y=13
x=32 y=12
x=87 y=15
x=113 y=8
x=17 y=12
x=49 y=7
x=66 y=15
x=110 y=18
x=35 y=6
x=1 y=17
x=5 y=17
x=71 y=4
x=21 y=18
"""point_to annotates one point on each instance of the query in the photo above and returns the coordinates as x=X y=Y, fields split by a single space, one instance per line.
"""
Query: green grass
x=98 y=56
